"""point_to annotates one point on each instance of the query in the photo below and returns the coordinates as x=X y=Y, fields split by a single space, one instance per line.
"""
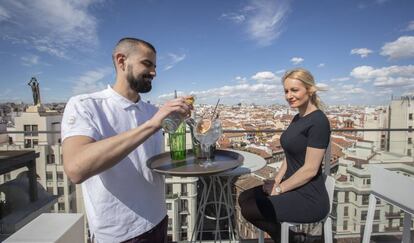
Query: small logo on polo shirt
x=71 y=120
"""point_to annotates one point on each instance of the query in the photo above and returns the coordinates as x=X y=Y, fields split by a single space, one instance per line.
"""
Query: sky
x=360 y=52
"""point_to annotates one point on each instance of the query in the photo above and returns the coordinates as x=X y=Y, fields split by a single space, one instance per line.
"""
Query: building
x=352 y=191
x=376 y=119
x=401 y=115
x=49 y=165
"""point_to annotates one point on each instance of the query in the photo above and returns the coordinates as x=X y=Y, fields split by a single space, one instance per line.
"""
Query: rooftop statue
x=35 y=90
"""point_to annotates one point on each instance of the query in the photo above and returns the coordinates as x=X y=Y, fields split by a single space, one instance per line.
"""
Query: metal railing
x=338 y=226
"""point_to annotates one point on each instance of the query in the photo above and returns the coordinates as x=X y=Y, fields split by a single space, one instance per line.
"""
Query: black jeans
x=156 y=234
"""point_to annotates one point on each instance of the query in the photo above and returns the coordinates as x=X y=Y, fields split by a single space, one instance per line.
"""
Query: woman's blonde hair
x=307 y=79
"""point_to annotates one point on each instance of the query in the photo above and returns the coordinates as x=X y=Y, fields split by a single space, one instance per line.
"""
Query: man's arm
x=84 y=157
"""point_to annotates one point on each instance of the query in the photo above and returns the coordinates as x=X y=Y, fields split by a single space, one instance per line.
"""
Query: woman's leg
x=258 y=209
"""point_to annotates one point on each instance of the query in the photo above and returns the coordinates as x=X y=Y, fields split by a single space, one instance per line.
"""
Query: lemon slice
x=189 y=100
x=203 y=126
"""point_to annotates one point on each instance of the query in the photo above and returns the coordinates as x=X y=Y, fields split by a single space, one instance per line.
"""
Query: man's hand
x=179 y=105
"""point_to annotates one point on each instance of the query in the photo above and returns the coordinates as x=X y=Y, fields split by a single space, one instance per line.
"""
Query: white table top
x=251 y=163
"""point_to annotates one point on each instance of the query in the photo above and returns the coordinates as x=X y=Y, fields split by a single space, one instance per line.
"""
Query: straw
x=215 y=108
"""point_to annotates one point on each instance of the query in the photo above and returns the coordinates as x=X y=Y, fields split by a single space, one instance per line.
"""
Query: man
x=108 y=137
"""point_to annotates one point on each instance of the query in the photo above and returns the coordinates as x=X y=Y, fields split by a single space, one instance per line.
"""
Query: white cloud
x=392 y=82
x=341 y=79
x=30 y=60
x=401 y=48
x=241 y=80
x=297 y=60
x=236 y=18
x=265 y=76
x=351 y=89
x=173 y=60
x=4 y=15
x=265 y=23
x=91 y=81
x=392 y=76
x=258 y=92
x=410 y=26
x=363 y=52
x=320 y=65
x=322 y=86
x=262 y=19
x=55 y=27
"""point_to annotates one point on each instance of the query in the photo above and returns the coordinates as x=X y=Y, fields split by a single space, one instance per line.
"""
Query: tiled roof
x=247 y=182
x=259 y=152
x=266 y=172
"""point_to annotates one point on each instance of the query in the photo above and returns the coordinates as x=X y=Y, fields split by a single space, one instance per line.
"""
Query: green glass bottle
x=177 y=143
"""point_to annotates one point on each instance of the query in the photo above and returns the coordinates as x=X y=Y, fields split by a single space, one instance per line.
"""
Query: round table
x=216 y=191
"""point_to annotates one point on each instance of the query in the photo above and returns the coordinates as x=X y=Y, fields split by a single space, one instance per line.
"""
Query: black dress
x=308 y=203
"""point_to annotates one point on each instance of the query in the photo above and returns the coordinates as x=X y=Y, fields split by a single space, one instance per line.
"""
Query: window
x=50 y=190
x=410 y=116
x=368 y=181
x=345 y=225
x=27 y=143
x=346 y=197
x=184 y=189
x=27 y=129
x=346 y=211
x=409 y=152
x=34 y=130
x=184 y=205
x=70 y=188
x=184 y=219
x=168 y=189
x=375 y=228
x=351 y=178
x=410 y=128
x=377 y=215
x=61 y=206
x=169 y=224
x=60 y=191
x=364 y=215
x=35 y=142
x=60 y=176
x=49 y=175
x=365 y=199
x=169 y=206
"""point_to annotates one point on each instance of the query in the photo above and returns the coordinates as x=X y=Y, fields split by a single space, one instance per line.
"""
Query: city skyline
x=360 y=52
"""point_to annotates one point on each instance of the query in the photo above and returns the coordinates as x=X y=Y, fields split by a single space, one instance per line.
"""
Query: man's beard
x=140 y=84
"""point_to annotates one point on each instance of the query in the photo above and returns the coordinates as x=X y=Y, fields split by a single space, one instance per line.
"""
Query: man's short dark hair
x=129 y=44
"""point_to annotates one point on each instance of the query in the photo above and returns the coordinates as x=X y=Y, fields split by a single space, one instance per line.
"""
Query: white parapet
x=51 y=227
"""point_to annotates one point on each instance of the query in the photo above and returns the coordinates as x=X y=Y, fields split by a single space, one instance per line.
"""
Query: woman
x=297 y=193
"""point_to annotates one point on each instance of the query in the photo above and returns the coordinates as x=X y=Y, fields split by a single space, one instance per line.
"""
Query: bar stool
x=327 y=221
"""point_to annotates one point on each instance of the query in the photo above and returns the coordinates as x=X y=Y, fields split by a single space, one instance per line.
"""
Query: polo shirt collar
x=124 y=102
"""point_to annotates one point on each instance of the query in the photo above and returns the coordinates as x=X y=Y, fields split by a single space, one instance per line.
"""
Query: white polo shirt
x=128 y=199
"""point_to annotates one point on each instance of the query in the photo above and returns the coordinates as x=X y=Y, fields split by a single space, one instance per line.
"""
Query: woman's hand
x=269 y=187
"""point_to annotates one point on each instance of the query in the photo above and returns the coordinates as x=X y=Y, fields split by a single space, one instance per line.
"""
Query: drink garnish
x=189 y=100
x=203 y=126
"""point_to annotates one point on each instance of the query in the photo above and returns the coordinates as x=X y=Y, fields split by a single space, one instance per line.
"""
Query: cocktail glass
x=207 y=132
